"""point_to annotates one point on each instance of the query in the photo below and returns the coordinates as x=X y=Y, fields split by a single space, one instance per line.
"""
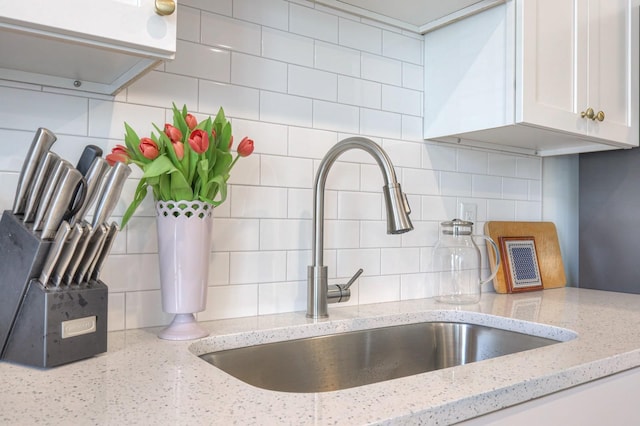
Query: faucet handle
x=407 y=207
x=340 y=292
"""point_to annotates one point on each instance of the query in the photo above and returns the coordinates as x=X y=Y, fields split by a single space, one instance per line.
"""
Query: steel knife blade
x=114 y=181
x=78 y=254
x=103 y=253
x=48 y=191
x=41 y=143
x=60 y=201
x=95 y=242
x=65 y=256
x=43 y=174
x=54 y=253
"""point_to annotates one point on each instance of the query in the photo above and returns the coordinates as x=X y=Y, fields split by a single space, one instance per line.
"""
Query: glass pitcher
x=456 y=263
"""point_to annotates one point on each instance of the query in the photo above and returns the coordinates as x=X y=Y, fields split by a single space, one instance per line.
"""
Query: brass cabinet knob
x=589 y=113
x=165 y=7
x=599 y=116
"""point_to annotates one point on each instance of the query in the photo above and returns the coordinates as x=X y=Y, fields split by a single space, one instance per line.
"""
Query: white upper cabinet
x=543 y=76
x=90 y=45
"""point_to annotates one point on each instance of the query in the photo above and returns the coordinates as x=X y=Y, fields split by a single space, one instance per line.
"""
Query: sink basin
x=346 y=360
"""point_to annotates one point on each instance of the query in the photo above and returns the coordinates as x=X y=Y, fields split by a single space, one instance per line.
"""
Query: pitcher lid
x=457 y=227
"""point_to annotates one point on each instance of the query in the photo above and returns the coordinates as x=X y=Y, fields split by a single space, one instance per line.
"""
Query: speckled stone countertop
x=145 y=380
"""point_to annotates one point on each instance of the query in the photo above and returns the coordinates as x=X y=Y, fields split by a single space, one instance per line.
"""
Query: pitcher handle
x=497 y=252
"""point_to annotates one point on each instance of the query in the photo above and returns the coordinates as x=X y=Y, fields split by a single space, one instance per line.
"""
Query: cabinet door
x=552 y=70
x=609 y=68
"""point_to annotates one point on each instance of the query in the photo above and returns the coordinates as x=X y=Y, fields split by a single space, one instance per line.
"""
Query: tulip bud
x=199 y=141
x=246 y=147
x=149 y=148
x=178 y=147
x=191 y=121
x=174 y=133
x=118 y=154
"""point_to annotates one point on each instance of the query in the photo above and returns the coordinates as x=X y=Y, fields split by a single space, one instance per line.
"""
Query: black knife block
x=39 y=326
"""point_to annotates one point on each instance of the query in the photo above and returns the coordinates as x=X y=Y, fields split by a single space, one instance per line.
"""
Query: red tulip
x=191 y=121
x=174 y=133
x=178 y=147
x=246 y=147
x=118 y=154
x=199 y=141
x=149 y=148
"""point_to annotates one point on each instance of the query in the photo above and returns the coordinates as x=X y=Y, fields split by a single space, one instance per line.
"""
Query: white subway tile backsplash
x=384 y=70
x=229 y=33
x=313 y=83
x=261 y=73
x=341 y=60
x=401 y=47
x=270 y=13
x=237 y=101
x=359 y=36
x=313 y=23
x=212 y=63
x=29 y=110
x=355 y=91
x=338 y=117
x=287 y=47
x=296 y=77
x=286 y=109
x=258 y=267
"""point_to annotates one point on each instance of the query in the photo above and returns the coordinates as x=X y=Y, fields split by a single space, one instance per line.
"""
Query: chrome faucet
x=319 y=293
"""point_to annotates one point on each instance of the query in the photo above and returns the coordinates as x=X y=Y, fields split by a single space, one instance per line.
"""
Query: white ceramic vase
x=184 y=244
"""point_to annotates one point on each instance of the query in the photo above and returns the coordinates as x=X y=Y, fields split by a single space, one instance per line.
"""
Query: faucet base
x=317 y=289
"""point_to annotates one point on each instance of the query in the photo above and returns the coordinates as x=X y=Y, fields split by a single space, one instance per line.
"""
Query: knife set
x=54 y=305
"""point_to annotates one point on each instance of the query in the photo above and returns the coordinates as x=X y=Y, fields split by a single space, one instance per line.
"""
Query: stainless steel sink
x=346 y=360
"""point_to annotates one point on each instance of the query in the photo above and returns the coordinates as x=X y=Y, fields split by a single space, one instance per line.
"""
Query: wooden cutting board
x=547 y=250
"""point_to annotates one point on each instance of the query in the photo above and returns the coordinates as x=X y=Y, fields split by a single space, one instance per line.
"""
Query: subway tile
x=399 y=260
x=481 y=208
x=528 y=211
x=412 y=76
x=342 y=177
x=30 y=109
x=502 y=165
x=515 y=189
x=246 y=171
x=237 y=101
x=426 y=264
x=230 y=234
x=487 y=186
x=384 y=70
x=222 y=7
x=379 y=289
x=230 y=302
x=282 y=297
x=285 y=234
x=258 y=202
x=188 y=23
x=529 y=168
x=398 y=46
x=403 y=154
x=341 y=234
x=354 y=91
x=286 y=109
x=287 y=47
x=439 y=208
x=300 y=204
x=341 y=60
x=371 y=178
x=359 y=205
x=359 y=36
x=380 y=123
x=13 y=154
x=338 y=117
x=286 y=172
x=535 y=190
x=219 y=268
x=116 y=313
x=416 y=286
x=456 y=184
x=404 y=101
x=162 y=89
x=212 y=63
x=472 y=161
x=131 y=272
x=501 y=210
x=299 y=260
x=424 y=233
x=313 y=83
x=269 y=138
x=232 y=34
x=422 y=182
x=373 y=234
x=412 y=128
x=271 y=13
x=310 y=143
x=144 y=309
x=313 y=23
x=349 y=261
x=258 y=267
x=261 y=73
x=439 y=157
x=142 y=235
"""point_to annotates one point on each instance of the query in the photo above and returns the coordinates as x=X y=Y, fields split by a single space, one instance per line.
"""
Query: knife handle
x=43 y=173
x=65 y=256
x=62 y=198
x=94 y=177
x=96 y=241
x=54 y=252
x=101 y=257
x=87 y=230
x=41 y=143
x=49 y=189
x=110 y=193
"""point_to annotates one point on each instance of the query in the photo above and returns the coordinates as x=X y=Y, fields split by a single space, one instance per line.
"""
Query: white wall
x=296 y=77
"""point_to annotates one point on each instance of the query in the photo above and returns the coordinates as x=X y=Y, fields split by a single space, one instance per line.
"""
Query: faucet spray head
x=398 y=209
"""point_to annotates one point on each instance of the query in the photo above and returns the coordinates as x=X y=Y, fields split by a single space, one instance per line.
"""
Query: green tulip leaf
x=140 y=194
